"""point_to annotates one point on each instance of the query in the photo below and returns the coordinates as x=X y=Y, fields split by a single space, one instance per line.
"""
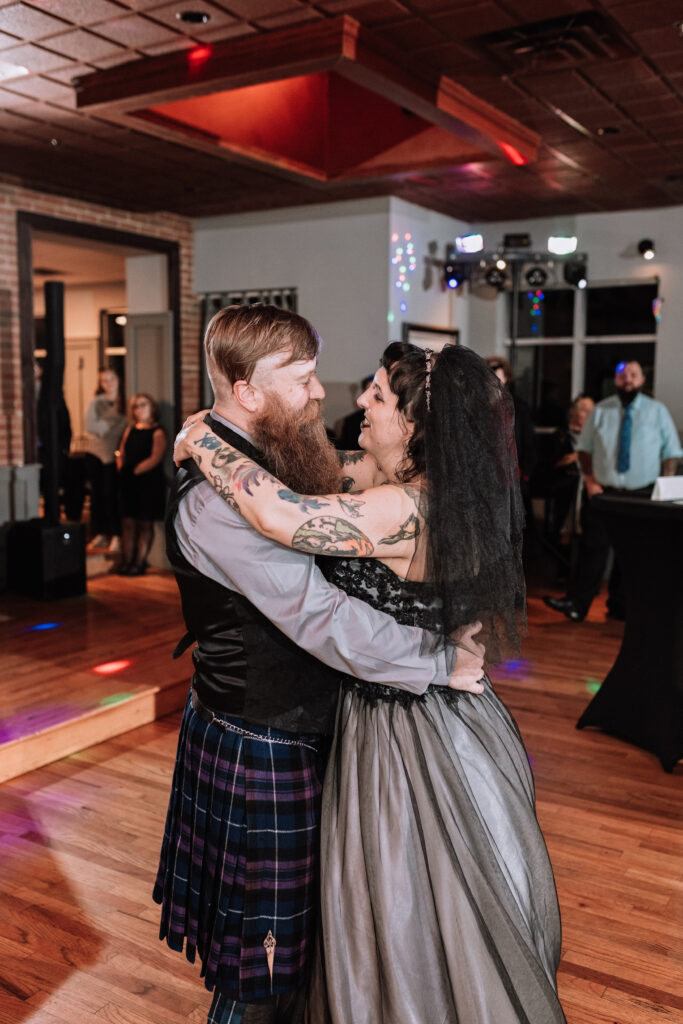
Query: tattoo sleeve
x=351 y=458
x=409 y=530
x=327 y=535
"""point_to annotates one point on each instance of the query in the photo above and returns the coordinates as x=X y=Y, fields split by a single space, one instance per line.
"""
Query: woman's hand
x=192 y=428
x=469 y=665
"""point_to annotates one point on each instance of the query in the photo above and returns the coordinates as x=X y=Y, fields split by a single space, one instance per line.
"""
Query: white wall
x=147 y=283
x=338 y=256
x=428 y=301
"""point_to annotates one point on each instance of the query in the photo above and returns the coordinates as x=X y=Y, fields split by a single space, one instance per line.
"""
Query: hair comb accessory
x=428 y=377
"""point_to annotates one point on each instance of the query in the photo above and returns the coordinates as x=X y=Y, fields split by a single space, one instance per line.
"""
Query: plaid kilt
x=240 y=856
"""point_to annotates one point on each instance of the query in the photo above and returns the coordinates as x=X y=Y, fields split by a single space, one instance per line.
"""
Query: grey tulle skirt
x=438 y=903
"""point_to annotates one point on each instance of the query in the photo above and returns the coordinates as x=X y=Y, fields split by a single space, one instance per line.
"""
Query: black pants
x=104 y=501
x=591 y=561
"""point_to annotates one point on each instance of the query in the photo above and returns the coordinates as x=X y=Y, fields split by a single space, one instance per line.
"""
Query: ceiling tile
x=475 y=21
x=136 y=32
x=167 y=14
x=82 y=12
x=35 y=58
x=293 y=17
x=254 y=9
x=44 y=89
x=28 y=22
x=83 y=45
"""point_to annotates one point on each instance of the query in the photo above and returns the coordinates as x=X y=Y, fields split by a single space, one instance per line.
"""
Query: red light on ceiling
x=513 y=155
x=199 y=55
x=108 y=668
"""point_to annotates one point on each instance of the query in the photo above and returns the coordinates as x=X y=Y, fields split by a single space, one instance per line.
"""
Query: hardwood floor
x=79 y=671
x=79 y=841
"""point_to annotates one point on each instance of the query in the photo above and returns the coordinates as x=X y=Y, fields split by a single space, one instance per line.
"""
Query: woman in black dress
x=438 y=903
x=142 y=486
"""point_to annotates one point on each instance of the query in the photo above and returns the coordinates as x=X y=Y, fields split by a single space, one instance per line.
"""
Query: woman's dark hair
x=464 y=447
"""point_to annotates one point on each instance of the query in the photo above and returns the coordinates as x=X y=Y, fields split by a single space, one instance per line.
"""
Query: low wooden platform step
x=81 y=670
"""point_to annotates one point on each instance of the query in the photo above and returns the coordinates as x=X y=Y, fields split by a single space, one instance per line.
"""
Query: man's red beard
x=296 y=448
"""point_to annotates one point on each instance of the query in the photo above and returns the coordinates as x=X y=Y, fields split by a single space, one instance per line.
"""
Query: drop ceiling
x=589 y=95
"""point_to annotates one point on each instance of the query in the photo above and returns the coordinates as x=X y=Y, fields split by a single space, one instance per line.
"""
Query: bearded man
x=627 y=441
x=237 y=877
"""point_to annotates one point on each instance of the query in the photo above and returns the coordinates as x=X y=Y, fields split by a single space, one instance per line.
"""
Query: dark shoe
x=566 y=606
x=137 y=570
x=122 y=570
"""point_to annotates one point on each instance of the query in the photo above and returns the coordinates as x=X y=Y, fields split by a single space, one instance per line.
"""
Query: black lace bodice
x=410 y=603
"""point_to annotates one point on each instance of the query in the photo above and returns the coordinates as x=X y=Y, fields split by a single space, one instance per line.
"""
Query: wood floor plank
x=79 y=841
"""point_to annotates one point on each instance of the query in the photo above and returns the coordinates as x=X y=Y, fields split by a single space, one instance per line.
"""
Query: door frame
x=27 y=223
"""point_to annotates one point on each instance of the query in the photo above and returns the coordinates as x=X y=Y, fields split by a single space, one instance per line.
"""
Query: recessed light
x=193 y=17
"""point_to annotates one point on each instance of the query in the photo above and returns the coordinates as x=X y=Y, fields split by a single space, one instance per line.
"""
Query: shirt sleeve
x=671 y=448
x=288 y=588
x=587 y=435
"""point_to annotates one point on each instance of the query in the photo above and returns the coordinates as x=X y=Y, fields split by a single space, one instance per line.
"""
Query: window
x=620 y=309
x=545 y=313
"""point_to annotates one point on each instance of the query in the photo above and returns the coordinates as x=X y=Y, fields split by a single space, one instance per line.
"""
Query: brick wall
x=168 y=226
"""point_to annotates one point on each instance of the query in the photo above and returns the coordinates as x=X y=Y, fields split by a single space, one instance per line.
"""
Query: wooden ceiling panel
x=56 y=41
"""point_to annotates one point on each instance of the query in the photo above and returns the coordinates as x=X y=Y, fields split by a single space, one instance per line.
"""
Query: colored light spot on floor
x=40 y=626
x=115 y=698
x=593 y=685
x=109 y=668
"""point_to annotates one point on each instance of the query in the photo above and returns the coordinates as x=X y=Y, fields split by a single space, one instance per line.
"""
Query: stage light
x=575 y=273
x=455 y=274
x=562 y=245
x=469 y=243
x=646 y=248
x=495 y=276
x=536 y=277
x=501 y=264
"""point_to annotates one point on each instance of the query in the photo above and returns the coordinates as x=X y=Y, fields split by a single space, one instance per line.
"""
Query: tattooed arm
x=360 y=471
x=379 y=522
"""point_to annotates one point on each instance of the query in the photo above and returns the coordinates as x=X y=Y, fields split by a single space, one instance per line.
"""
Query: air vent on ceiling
x=557 y=42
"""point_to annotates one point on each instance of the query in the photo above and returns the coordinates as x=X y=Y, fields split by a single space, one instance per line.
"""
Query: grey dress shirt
x=288 y=588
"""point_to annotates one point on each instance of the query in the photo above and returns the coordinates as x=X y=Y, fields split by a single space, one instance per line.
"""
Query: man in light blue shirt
x=627 y=442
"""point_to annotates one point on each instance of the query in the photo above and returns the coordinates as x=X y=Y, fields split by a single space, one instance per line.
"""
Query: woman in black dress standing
x=142 y=486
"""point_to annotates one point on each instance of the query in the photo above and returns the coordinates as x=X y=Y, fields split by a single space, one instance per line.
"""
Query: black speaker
x=46 y=561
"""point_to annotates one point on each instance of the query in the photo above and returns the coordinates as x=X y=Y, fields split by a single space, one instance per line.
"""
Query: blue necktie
x=624 y=450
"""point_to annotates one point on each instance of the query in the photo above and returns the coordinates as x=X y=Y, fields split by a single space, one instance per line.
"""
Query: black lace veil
x=463 y=446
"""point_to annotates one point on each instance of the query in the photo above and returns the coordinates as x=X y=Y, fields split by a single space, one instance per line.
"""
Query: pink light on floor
x=109 y=668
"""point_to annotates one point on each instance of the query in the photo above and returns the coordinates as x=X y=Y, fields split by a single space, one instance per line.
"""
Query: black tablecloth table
x=641 y=700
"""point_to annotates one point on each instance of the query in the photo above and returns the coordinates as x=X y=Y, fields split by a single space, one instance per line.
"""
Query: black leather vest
x=243 y=664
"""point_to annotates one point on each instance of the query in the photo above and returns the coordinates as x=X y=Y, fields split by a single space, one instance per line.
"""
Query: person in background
x=142 y=486
x=524 y=429
x=564 y=479
x=626 y=443
x=349 y=430
x=104 y=422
